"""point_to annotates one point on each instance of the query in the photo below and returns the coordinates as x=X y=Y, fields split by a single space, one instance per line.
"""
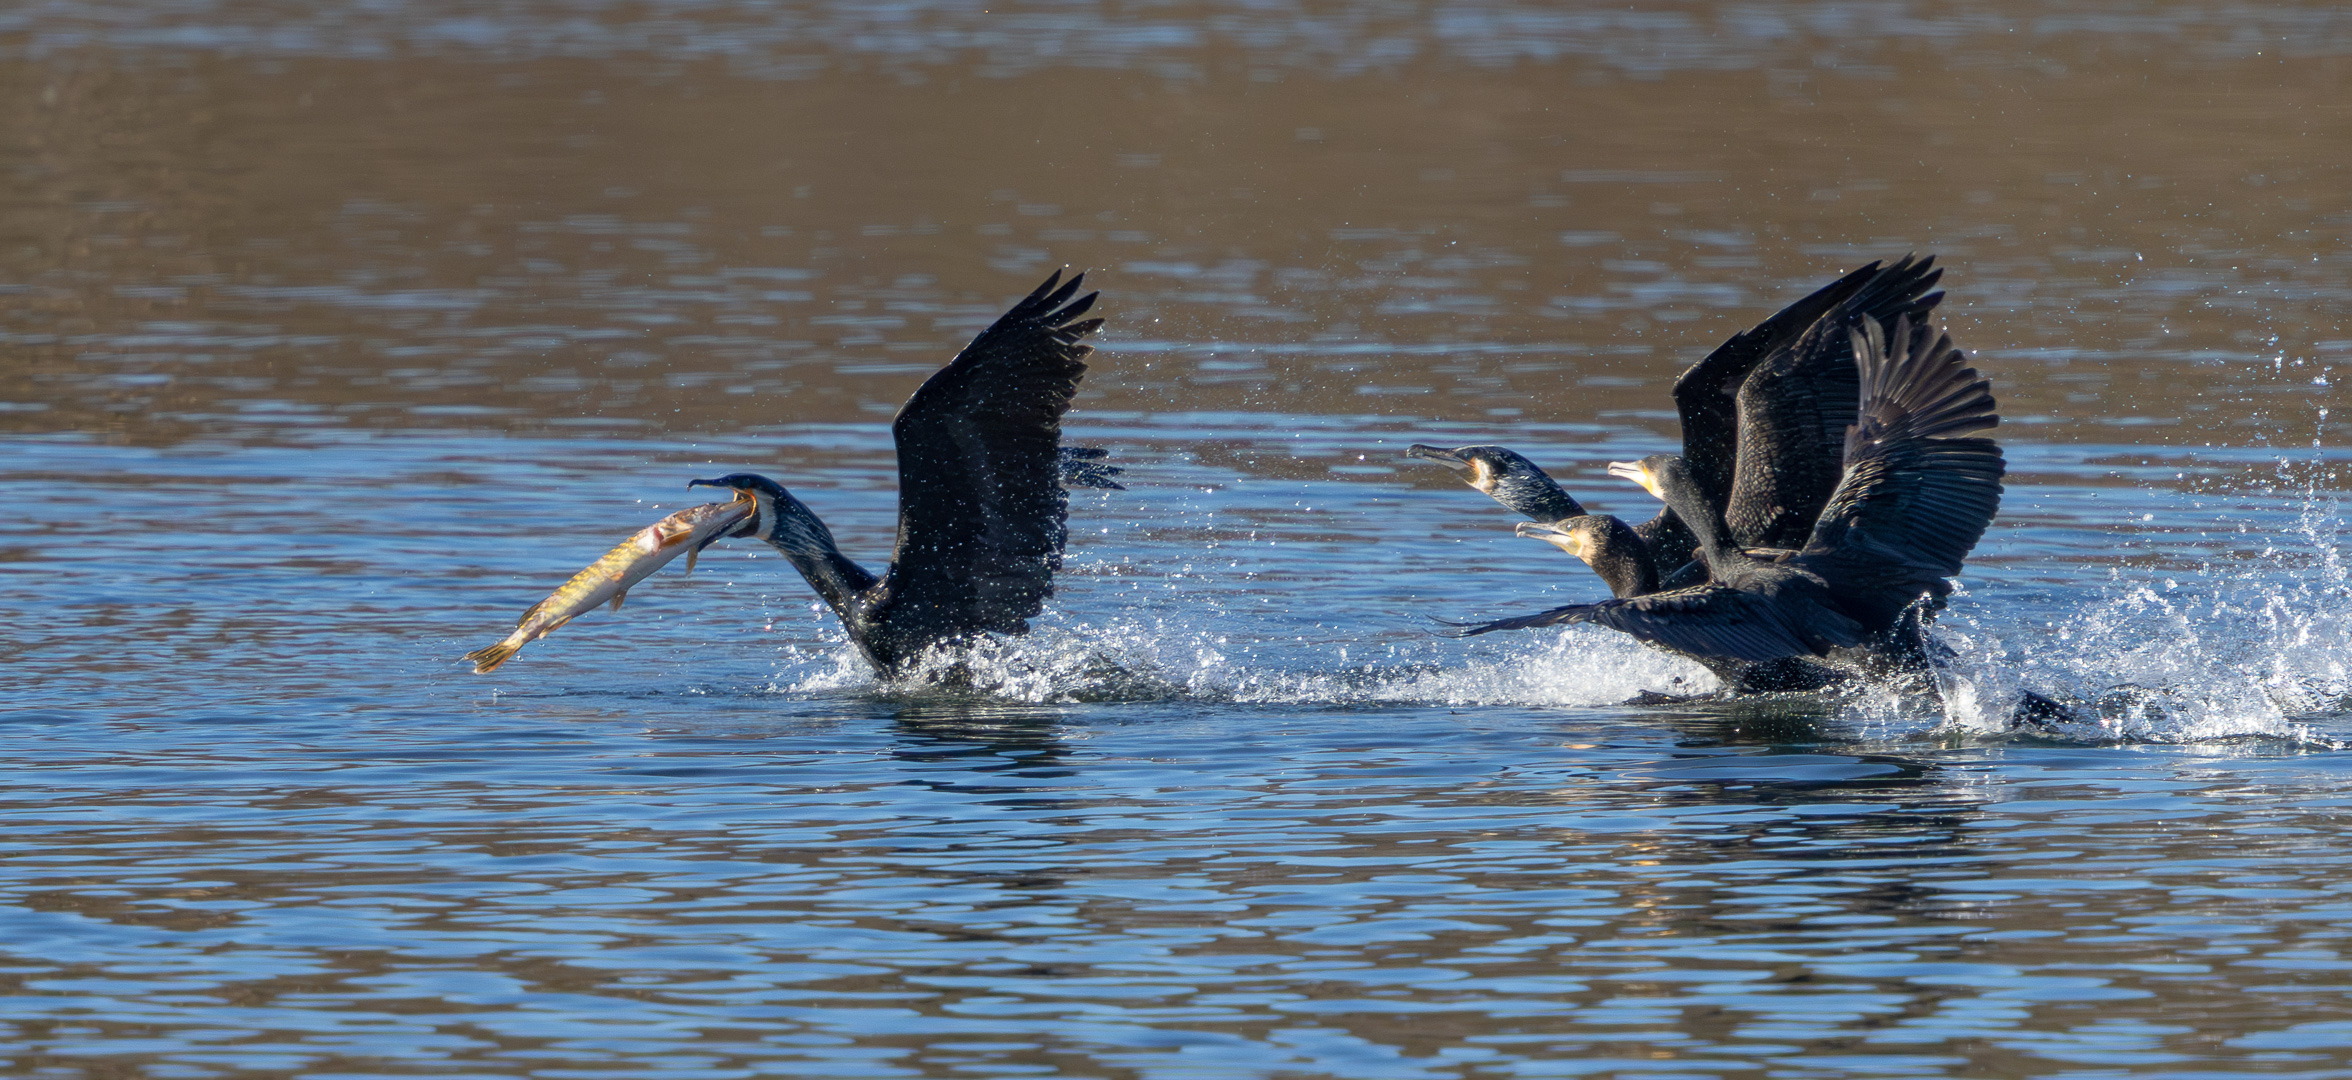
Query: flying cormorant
x=1916 y=492
x=981 y=504
x=1763 y=422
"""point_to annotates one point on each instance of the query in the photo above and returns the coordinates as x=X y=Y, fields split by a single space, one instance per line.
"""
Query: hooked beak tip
x=1442 y=456
x=1639 y=474
x=1551 y=533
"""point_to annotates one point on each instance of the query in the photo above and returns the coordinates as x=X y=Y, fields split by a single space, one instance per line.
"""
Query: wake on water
x=2261 y=650
x=2257 y=649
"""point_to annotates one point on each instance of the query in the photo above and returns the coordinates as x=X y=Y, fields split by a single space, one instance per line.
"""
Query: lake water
x=334 y=335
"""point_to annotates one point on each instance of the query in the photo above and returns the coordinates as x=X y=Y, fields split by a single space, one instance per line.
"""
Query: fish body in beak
x=609 y=579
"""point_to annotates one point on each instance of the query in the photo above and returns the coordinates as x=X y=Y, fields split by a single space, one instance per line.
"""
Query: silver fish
x=686 y=532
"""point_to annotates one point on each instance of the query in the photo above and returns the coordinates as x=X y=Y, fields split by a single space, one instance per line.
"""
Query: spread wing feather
x=981 y=503
x=1795 y=406
x=1085 y=467
x=1705 y=394
x=1713 y=621
x=1920 y=489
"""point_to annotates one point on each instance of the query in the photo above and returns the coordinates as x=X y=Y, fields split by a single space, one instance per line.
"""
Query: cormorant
x=981 y=504
x=1763 y=419
x=1614 y=550
x=1916 y=492
x=1629 y=555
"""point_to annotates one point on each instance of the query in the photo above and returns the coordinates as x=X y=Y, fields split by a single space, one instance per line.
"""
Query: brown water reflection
x=216 y=242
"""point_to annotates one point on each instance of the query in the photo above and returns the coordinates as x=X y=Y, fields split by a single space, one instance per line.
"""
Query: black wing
x=1084 y=467
x=1795 y=406
x=1919 y=489
x=980 y=499
x=1704 y=395
x=1712 y=621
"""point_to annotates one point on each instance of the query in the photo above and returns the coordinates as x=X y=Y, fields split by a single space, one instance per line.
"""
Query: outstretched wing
x=1713 y=621
x=980 y=499
x=1704 y=394
x=1795 y=406
x=1919 y=489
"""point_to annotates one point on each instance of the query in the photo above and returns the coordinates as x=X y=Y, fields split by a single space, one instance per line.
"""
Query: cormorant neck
x=1519 y=484
x=1541 y=499
x=809 y=545
x=1683 y=496
x=1623 y=561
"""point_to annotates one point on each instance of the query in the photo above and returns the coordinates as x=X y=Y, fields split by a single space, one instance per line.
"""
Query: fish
x=686 y=532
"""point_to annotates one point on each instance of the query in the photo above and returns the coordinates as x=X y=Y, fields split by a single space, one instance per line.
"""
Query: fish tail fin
x=487 y=660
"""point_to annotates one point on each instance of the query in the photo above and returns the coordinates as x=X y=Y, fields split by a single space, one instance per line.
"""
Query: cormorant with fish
x=981 y=504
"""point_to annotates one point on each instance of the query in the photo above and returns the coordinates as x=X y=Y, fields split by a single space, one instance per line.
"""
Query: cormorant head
x=1504 y=476
x=763 y=492
x=781 y=519
x=1653 y=473
x=1579 y=536
x=1606 y=544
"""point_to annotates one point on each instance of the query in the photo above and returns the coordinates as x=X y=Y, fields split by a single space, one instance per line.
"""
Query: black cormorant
x=1916 y=492
x=1630 y=555
x=1763 y=419
x=981 y=471
x=1614 y=550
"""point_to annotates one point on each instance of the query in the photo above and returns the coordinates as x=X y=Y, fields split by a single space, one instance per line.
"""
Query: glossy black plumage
x=1917 y=492
x=1795 y=404
x=1084 y=467
x=1763 y=419
x=981 y=499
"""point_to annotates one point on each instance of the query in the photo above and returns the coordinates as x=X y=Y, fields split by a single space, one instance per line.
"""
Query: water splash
x=1161 y=660
x=2260 y=649
x=2252 y=645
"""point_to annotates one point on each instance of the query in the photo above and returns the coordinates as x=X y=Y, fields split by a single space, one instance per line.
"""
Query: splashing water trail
x=1165 y=660
x=2257 y=648
x=2232 y=650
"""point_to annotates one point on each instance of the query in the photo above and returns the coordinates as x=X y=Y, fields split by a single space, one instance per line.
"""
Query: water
x=335 y=335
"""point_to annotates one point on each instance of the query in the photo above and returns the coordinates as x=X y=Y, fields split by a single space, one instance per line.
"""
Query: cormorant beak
x=1482 y=474
x=1639 y=474
x=741 y=494
x=751 y=508
x=1442 y=456
x=1556 y=536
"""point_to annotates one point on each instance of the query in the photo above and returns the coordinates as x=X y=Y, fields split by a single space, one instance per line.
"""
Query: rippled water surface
x=333 y=335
